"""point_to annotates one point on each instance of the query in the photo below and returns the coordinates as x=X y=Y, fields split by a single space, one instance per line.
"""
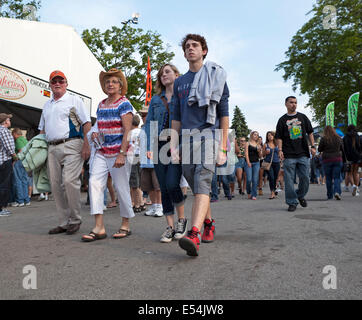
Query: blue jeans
x=299 y=166
x=252 y=178
x=20 y=181
x=214 y=188
x=169 y=177
x=225 y=180
x=333 y=177
x=273 y=175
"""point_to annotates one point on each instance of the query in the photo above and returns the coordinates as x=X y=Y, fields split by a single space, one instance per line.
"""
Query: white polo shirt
x=63 y=118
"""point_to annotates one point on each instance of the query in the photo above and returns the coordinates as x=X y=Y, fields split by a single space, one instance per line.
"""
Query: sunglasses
x=60 y=81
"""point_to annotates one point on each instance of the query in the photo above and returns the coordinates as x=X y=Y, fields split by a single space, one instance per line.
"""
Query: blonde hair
x=159 y=86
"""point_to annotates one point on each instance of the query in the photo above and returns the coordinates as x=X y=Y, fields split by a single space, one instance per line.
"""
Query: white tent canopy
x=38 y=48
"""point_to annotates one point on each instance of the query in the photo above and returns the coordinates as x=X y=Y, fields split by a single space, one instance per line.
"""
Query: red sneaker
x=191 y=242
x=209 y=231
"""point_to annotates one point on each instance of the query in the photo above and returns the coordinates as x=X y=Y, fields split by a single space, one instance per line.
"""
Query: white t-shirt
x=134 y=141
x=63 y=118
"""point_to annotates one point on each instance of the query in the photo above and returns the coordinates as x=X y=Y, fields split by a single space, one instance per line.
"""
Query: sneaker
x=46 y=197
x=180 y=228
x=191 y=242
x=15 y=204
x=158 y=212
x=345 y=189
x=41 y=197
x=337 y=196
x=260 y=192
x=4 y=213
x=357 y=194
x=151 y=211
x=209 y=231
x=354 y=191
x=292 y=208
x=168 y=235
x=214 y=200
x=28 y=203
x=303 y=202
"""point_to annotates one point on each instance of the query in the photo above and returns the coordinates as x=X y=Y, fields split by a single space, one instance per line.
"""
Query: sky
x=248 y=38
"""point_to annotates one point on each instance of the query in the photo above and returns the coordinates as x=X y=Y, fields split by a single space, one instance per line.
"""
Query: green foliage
x=326 y=63
x=127 y=49
x=17 y=9
x=239 y=124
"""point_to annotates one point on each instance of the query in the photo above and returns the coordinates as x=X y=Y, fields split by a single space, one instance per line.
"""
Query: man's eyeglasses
x=60 y=81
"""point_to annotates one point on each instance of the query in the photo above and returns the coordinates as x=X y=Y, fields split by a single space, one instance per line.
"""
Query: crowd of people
x=182 y=140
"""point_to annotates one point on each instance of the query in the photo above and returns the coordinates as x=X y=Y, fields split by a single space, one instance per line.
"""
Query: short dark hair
x=136 y=120
x=195 y=37
x=290 y=97
x=313 y=147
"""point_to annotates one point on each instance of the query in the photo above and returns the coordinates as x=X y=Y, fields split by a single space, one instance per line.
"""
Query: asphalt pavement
x=261 y=251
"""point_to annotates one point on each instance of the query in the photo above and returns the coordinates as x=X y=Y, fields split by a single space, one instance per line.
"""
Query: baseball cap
x=4 y=116
x=57 y=73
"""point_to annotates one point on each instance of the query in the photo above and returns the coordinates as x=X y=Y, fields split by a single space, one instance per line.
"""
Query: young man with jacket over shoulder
x=195 y=116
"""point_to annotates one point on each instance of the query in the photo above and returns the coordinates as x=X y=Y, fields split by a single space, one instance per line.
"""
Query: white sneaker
x=151 y=211
x=28 y=203
x=158 y=212
x=46 y=197
x=168 y=235
x=15 y=204
x=41 y=197
x=354 y=191
x=180 y=228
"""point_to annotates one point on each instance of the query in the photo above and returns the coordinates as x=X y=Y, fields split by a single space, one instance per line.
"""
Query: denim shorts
x=240 y=164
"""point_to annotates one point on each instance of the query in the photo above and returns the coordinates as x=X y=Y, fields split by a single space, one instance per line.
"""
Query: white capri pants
x=98 y=183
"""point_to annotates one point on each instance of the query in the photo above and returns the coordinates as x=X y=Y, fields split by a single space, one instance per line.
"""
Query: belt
x=56 y=142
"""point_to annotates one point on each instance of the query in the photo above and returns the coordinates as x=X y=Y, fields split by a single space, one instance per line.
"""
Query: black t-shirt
x=294 y=131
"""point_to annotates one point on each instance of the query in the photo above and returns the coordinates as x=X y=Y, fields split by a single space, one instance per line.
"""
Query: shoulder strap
x=165 y=103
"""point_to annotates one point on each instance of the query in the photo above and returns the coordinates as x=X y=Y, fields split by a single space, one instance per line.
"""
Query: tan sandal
x=94 y=236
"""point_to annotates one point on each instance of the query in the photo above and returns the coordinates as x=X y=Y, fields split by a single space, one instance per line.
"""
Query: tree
x=17 y=9
x=127 y=49
x=239 y=124
x=324 y=58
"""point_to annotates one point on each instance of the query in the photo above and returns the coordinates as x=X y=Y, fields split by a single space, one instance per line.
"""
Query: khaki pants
x=65 y=165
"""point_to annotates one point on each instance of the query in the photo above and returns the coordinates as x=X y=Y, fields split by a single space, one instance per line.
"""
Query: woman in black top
x=253 y=152
x=331 y=148
x=352 y=149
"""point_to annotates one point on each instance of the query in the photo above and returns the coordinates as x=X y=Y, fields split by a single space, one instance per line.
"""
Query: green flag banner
x=330 y=114
x=353 y=108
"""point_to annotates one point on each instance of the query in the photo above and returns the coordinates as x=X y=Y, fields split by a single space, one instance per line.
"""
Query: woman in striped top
x=114 y=121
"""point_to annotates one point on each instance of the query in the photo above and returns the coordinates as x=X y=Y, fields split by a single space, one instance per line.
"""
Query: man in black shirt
x=292 y=133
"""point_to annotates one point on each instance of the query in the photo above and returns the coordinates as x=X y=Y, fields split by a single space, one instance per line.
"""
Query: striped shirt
x=109 y=121
x=7 y=145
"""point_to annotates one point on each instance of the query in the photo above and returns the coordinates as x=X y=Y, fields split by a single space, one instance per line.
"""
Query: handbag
x=266 y=165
